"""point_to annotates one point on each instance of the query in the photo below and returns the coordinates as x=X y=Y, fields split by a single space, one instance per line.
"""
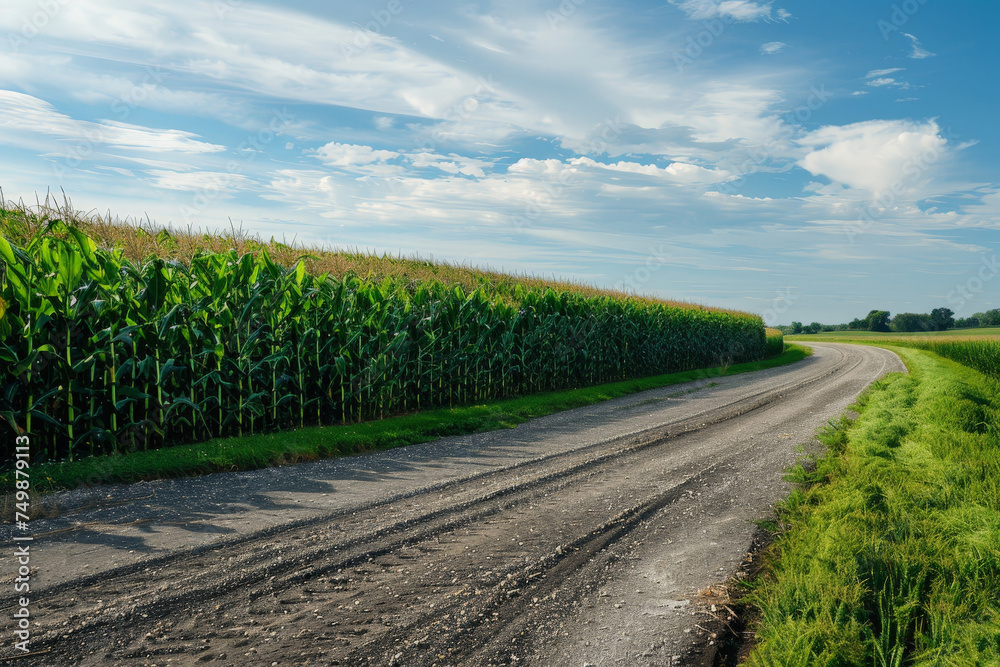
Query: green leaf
x=6 y=251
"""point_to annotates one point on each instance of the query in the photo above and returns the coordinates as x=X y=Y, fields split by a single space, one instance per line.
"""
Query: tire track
x=477 y=570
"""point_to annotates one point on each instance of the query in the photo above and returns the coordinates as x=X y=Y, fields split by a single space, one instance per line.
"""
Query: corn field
x=982 y=354
x=103 y=355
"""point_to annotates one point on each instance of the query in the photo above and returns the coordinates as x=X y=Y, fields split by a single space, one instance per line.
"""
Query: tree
x=967 y=323
x=943 y=318
x=796 y=327
x=991 y=318
x=877 y=320
x=912 y=322
x=856 y=325
x=815 y=327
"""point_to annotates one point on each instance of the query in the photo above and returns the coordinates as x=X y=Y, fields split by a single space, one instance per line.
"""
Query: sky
x=801 y=160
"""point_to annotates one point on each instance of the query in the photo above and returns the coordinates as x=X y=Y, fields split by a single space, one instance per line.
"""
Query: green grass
x=288 y=447
x=890 y=553
x=967 y=347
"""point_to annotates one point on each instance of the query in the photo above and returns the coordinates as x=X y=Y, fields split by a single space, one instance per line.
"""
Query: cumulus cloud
x=875 y=156
x=351 y=155
x=679 y=172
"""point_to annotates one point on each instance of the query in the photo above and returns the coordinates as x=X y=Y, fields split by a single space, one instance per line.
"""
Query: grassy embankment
x=976 y=348
x=124 y=341
x=889 y=553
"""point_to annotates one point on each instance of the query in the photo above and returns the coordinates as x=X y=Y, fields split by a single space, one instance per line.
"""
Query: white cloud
x=888 y=82
x=271 y=51
x=772 y=48
x=918 y=52
x=876 y=73
x=349 y=156
x=451 y=164
x=738 y=10
x=876 y=156
x=680 y=172
x=535 y=81
x=20 y=114
x=200 y=181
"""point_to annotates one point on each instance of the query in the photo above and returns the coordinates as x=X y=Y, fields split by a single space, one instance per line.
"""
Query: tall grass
x=981 y=352
x=103 y=354
x=891 y=555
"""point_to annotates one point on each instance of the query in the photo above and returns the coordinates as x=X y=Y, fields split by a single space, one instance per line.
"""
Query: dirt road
x=586 y=537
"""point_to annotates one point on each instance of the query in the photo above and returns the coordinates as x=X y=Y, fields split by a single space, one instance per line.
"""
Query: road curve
x=585 y=537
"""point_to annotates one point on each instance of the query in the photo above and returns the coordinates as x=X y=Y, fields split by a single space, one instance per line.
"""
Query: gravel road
x=596 y=536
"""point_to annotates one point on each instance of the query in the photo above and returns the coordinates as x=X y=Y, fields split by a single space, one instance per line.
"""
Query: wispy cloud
x=433 y=132
x=199 y=181
x=918 y=52
x=22 y=115
x=877 y=73
x=888 y=82
x=737 y=10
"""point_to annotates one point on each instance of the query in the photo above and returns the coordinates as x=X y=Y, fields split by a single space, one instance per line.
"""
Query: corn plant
x=101 y=354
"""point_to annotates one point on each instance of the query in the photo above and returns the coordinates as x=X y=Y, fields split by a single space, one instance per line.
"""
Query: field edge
x=314 y=443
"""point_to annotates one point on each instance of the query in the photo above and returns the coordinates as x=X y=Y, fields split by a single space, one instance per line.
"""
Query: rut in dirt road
x=594 y=553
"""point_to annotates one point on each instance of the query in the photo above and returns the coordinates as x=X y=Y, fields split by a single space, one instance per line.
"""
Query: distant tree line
x=939 y=319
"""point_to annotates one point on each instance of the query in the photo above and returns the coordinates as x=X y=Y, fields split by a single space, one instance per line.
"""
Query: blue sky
x=802 y=160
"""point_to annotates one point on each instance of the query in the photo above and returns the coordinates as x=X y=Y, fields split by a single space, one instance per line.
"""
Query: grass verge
x=979 y=352
x=288 y=447
x=889 y=553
